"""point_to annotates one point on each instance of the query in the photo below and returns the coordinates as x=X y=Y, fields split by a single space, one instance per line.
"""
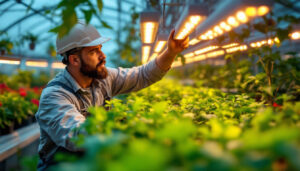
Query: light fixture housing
x=161 y=41
x=149 y=23
x=145 y=53
x=191 y=17
x=231 y=14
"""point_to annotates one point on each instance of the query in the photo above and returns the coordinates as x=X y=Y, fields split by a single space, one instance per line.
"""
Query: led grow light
x=191 y=17
x=215 y=53
x=145 y=53
x=260 y=43
x=295 y=35
x=154 y=55
x=206 y=49
x=161 y=41
x=229 y=45
x=58 y=65
x=189 y=55
x=36 y=63
x=231 y=14
x=149 y=25
x=238 y=48
x=11 y=62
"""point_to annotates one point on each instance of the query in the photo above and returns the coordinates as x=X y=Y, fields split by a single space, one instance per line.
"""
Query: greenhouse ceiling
x=24 y=20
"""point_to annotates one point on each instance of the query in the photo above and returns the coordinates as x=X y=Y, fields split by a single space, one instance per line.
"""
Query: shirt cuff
x=155 y=70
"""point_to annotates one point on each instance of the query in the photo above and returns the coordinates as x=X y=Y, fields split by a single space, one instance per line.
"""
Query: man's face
x=93 y=62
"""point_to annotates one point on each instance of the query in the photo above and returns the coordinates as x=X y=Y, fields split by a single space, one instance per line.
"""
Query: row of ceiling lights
x=211 y=51
x=32 y=63
x=195 y=22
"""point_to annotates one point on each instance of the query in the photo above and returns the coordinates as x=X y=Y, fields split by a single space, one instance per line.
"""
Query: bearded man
x=87 y=82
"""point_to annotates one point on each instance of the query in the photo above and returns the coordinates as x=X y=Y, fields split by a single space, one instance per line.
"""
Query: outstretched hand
x=176 y=46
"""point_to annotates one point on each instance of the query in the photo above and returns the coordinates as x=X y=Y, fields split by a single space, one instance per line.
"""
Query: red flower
x=22 y=92
x=36 y=90
x=3 y=86
x=276 y=105
x=0 y=104
x=35 y=101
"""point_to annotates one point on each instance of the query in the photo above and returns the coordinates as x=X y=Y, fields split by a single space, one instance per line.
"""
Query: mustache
x=101 y=62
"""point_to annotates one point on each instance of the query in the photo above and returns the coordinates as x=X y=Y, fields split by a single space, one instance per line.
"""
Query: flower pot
x=7 y=130
x=32 y=45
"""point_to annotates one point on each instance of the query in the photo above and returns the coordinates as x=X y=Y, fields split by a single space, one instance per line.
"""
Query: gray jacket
x=58 y=110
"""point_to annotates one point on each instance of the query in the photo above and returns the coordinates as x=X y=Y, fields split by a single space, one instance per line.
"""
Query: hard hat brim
x=96 y=42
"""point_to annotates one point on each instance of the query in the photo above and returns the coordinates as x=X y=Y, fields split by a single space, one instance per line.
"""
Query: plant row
x=173 y=127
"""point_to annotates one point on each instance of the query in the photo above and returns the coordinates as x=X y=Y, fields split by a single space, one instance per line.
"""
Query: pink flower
x=35 y=101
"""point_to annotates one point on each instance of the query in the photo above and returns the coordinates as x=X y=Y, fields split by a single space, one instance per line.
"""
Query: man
x=87 y=82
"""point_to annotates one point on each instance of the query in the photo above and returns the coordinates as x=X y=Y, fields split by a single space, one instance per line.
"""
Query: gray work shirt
x=58 y=115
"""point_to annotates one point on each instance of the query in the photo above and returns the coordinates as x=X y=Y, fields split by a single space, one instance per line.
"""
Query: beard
x=98 y=72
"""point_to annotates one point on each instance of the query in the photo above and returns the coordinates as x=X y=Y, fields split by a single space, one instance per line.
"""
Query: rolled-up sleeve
x=126 y=80
x=58 y=116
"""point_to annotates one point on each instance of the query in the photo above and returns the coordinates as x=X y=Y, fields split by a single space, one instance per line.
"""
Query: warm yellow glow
x=251 y=11
x=189 y=26
x=277 y=40
x=176 y=64
x=238 y=48
x=230 y=45
x=270 y=42
x=145 y=53
x=36 y=63
x=195 y=19
x=215 y=53
x=203 y=37
x=232 y=21
x=253 y=45
x=242 y=17
x=295 y=35
x=154 y=55
x=11 y=62
x=148 y=32
x=218 y=30
x=199 y=58
x=189 y=55
x=206 y=49
x=58 y=65
x=159 y=45
x=189 y=60
x=263 y=10
x=194 y=41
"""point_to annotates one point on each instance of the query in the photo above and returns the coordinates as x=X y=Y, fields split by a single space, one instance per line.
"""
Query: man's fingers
x=171 y=36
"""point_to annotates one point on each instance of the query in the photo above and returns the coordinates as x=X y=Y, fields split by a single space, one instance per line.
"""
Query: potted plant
x=32 y=40
x=5 y=46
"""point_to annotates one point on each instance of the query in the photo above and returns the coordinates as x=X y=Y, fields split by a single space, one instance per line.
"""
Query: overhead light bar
x=149 y=25
x=58 y=65
x=215 y=53
x=161 y=41
x=230 y=45
x=270 y=42
x=231 y=14
x=10 y=61
x=36 y=63
x=238 y=48
x=145 y=53
x=154 y=55
x=191 y=17
x=295 y=35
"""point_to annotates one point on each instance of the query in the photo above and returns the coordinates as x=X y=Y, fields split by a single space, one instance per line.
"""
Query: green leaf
x=104 y=24
x=100 y=5
x=87 y=15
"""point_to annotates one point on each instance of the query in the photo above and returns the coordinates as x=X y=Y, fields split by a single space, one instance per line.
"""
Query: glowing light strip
x=11 y=62
x=238 y=48
x=58 y=65
x=230 y=45
x=215 y=53
x=206 y=49
x=264 y=42
x=159 y=46
x=189 y=26
x=36 y=63
x=295 y=35
x=145 y=53
x=154 y=55
x=233 y=21
x=189 y=55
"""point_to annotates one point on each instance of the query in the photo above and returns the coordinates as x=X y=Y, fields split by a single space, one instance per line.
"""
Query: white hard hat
x=81 y=35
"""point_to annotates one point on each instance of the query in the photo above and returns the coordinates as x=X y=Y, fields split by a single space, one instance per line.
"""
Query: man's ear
x=74 y=60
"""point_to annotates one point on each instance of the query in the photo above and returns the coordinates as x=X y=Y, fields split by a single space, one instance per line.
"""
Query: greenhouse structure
x=136 y=85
